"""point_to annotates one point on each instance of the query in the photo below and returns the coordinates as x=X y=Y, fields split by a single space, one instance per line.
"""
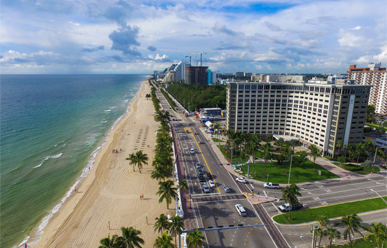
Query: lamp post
x=290 y=170
x=313 y=239
x=379 y=196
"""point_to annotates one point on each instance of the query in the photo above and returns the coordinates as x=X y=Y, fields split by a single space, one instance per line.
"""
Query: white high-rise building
x=180 y=71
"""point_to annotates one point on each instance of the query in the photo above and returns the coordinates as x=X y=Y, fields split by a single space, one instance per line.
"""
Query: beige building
x=170 y=77
x=314 y=113
x=377 y=77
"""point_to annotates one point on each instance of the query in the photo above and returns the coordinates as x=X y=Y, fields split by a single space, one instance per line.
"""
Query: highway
x=217 y=208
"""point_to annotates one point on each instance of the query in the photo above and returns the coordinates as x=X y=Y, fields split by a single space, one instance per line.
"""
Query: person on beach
x=25 y=245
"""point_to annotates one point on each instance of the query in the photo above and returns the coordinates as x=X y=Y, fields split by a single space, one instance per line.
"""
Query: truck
x=286 y=207
x=271 y=186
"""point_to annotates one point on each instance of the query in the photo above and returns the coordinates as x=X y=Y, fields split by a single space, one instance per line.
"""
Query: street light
x=313 y=239
x=290 y=170
x=379 y=196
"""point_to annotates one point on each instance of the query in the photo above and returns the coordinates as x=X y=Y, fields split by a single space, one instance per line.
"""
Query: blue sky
x=110 y=36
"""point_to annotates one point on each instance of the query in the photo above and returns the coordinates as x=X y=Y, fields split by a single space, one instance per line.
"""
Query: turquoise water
x=52 y=127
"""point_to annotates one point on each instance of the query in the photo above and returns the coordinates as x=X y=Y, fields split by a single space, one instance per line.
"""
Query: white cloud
x=356 y=28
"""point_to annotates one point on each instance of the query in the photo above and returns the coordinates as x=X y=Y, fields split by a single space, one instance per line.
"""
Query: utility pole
x=201 y=58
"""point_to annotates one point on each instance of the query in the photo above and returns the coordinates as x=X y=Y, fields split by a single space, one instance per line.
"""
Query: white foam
x=47 y=158
x=85 y=172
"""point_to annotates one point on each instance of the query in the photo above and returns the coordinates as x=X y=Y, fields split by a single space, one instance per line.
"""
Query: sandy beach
x=111 y=192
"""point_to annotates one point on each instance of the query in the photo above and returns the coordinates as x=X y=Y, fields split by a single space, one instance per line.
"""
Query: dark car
x=202 y=179
x=209 y=176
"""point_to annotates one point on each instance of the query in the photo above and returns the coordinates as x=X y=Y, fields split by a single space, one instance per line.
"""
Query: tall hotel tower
x=314 y=113
x=377 y=77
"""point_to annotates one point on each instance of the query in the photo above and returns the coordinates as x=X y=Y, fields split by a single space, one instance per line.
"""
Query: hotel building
x=315 y=113
x=377 y=77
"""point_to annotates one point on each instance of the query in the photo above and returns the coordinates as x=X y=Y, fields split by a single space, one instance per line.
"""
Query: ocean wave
x=47 y=158
x=103 y=121
x=110 y=109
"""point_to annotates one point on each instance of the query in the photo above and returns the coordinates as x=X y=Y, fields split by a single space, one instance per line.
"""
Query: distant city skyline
x=272 y=36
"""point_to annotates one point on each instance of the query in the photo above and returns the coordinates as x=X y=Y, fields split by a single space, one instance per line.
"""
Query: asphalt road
x=221 y=212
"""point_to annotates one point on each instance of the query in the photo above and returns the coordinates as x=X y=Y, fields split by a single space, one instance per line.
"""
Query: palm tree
x=289 y=194
x=315 y=152
x=377 y=231
x=381 y=155
x=351 y=224
x=132 y=159
x=141 y=158
x=195 y=239
x=166 y=192
x=183 y=185
x=359 y=151
x=162 y=223
x=323 y=222
x=231 y=136
x=109 y=242
x=177 y=226
x=164 y=241
x=332 y=234
x=339 y=145
x=280 y=142
x=160 y=173
x=130 y=238
x=293 y=143
x=267 y=154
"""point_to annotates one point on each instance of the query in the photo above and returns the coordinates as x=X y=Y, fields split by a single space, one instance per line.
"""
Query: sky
x=110 y=36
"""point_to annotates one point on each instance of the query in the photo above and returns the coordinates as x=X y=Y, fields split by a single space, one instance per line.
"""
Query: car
x=211 y=183
x=186 y=131
x=176 y=125
x=240 y=209
x=286 y=207
x=198 y=165
x=202 y=179
x=241 y=179
x=200 y=170
x=209 y=175
x=173 y=119
x=196 y=133
x=226 y=189
x=192 y=151
x=206 y=189
x=200 y=142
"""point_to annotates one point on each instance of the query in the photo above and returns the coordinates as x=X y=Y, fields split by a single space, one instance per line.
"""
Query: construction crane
x=201 y=56
x=188 y=56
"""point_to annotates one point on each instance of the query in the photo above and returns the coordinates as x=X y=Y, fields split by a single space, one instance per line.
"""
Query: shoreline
x=86 y=183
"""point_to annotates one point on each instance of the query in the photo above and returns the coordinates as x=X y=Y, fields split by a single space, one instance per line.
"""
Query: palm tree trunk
x=319 y=242
x=290 y=211
x=350 y=241
x=133 y=167
x=330 y=243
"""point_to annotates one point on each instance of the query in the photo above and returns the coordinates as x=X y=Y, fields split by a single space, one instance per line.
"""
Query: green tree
x=267 y=154
x=332 y=234
x=159 y=173
x=130 y=238
x=314 y=152
x=177 y=226
x=351 y=223
x=280 y=142
x=162 y=223
x=300 y=158
x=293 y=143
x=323 y=222
x=378 y=232
x=342 y=160
x=166 y=192
x=195 y=239
x=366 y=164
x=163 y=241
x=109 y=242
x=183 y=185
x=141 y=158
x=289 y=194
x=132 y=159
x=370 y=117
x=381 y=155
x=339 y=145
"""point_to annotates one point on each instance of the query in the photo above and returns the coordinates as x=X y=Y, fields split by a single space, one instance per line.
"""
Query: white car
x=211 y=183
x=241 y=179
x=192 y=150
x=200 y=142
x=241 y=210
x=206 y=189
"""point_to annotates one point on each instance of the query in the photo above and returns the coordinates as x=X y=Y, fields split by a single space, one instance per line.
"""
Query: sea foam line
x=47 y=158
x=86 y=170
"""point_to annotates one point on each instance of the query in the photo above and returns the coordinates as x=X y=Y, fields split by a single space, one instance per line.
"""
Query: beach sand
x=111 y=192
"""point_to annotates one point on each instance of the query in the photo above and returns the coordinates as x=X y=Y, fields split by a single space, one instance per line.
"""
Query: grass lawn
x=279 y=173
x=357 y=243
x=217 y=140
x=358 y=169
x=332 y=211
x=236 y=158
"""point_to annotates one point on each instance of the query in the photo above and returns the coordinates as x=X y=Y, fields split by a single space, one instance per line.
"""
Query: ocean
x=52 y=127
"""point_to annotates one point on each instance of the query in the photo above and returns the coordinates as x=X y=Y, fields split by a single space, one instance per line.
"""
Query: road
x=217 y=207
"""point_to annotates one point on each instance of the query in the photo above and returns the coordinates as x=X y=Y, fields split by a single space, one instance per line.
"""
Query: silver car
x=206 y=189
x=226 y=189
